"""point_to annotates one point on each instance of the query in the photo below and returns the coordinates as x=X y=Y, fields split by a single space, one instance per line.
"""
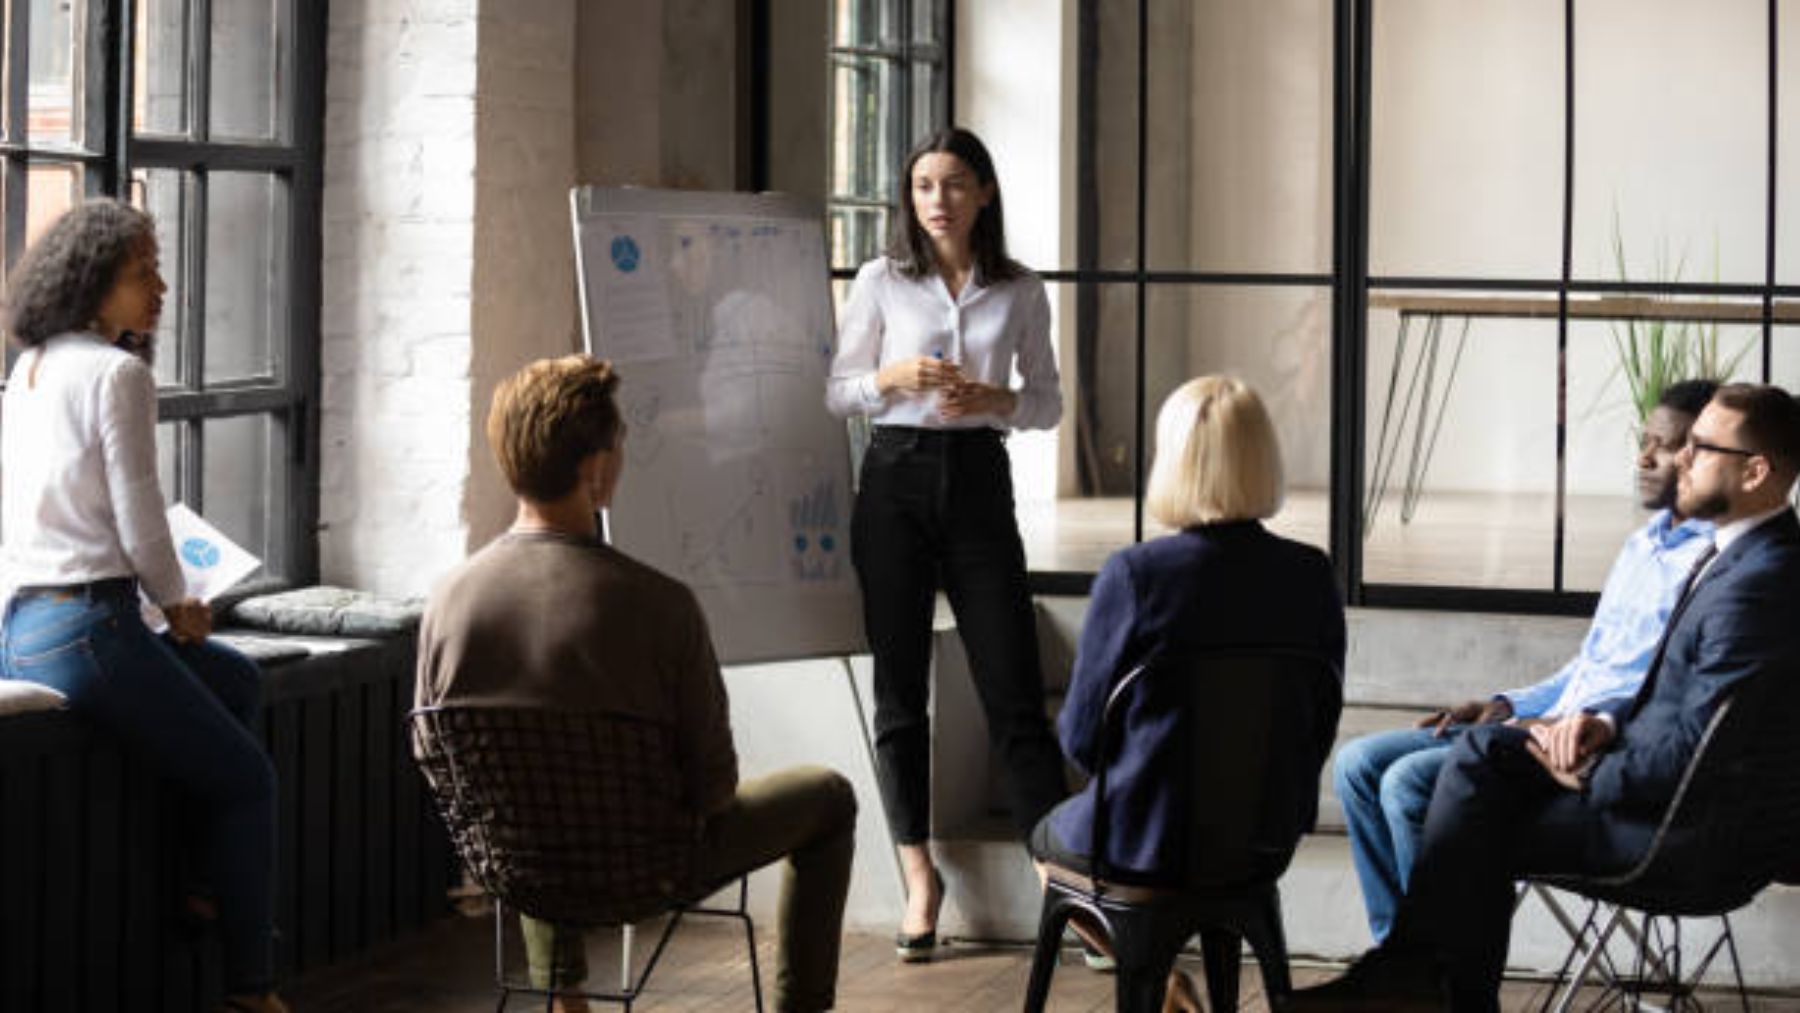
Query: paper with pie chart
x=211 y=562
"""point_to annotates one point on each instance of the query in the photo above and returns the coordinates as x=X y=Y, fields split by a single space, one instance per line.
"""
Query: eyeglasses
x=1694 y=447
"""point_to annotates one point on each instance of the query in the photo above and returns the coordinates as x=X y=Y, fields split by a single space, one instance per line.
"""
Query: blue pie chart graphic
x=200 y=553
x=625 y=254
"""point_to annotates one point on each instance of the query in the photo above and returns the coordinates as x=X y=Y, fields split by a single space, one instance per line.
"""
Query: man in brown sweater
x=548 y=615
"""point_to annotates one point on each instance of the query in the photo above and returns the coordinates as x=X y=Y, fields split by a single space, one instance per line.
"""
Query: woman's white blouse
x=986 y=330
x=80 y=498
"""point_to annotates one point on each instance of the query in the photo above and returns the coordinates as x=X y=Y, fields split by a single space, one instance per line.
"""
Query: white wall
x=454 y=130
x=399 y=251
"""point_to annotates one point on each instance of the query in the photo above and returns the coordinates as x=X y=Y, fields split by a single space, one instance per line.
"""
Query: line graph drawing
x=725 y=539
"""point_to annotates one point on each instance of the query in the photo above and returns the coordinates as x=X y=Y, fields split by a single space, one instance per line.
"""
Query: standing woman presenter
x=927 y=347
x=85 y=530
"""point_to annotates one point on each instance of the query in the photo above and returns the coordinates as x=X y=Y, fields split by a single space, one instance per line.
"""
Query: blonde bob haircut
x=1217 y=458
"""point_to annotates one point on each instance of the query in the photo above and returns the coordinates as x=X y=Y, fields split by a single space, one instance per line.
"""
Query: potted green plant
x=1651 y=355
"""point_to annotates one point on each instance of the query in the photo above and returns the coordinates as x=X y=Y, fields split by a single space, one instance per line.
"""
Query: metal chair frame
x=454 y=802
x=631 y=986
x=1655 y=940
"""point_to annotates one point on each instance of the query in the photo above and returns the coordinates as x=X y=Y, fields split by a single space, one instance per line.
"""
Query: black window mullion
x=1562 y=300
x=1352 y=48
x=1140 y=310
x=1769 y=236
x=193 y=322
x=199 y=69
x=18 y=71
x=18 y=90
x=121 y=22
x=300 y=466
x=168 y=152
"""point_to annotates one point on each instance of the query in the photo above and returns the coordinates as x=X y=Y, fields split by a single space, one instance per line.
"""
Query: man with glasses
x=1384 y=780
x=1584 y=795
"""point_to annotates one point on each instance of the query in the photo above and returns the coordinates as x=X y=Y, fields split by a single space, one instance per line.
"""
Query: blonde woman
x=1221 y=580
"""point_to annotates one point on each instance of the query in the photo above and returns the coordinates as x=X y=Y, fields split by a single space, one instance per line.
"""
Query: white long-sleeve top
x=78 y=471
x=986 y=330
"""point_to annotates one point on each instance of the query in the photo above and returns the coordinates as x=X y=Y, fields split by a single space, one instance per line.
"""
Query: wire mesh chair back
x=568 y=817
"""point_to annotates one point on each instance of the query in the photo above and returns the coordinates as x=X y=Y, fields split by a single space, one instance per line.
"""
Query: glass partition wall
x=1437 y=238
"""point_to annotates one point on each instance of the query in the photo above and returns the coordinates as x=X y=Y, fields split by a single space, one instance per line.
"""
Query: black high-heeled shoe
x=919 y=948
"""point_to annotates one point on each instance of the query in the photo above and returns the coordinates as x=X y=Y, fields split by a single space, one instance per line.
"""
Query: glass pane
x=863 y=159
x=159 y=68
x=1671 y=155
x=53 y=100
x=927 y=101
x=242 y=274
x=235 y=479
x=1277 y=340
x=1460 y=444
x=1784 y=355
x=1606 y=412
x=1466 y=139
x=1113 y=160
x=163 y=193
x=1241 y=95
x=857 y=235
x=1023 y=130
x=1073 y=484
x=864 y=22
x=928 y=21
x=50 y=190
x=168 y=435
x=248 y=92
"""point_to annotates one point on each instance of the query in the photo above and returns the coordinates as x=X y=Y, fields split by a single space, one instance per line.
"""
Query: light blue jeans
x=1384 y=782
x=186 y=710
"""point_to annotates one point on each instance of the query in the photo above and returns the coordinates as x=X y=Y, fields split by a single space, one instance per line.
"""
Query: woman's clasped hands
x=958 y=396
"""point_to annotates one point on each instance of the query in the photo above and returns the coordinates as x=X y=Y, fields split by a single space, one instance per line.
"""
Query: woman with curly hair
x=85 y=531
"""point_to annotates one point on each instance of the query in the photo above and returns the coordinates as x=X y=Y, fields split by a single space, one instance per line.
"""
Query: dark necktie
x=1662 y=644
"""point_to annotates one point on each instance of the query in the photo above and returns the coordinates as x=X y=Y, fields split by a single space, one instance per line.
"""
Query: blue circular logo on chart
x=200 y=553
x=625 y=254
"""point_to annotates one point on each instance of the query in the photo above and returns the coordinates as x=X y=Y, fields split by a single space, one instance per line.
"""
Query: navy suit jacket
x=1737 y=623
x=1210 y=587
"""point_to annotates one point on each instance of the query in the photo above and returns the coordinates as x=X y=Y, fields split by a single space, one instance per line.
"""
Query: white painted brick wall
x=397 y=292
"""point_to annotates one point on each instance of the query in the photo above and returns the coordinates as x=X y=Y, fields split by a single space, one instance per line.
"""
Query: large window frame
x=112 y=156
x=1350 y=283
x=899 y=52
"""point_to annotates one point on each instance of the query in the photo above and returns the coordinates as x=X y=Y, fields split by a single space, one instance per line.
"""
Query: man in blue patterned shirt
x=1385 y=780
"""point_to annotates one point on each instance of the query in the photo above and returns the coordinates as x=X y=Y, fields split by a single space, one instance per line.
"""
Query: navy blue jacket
x=1738 y=622
x=1210 y=587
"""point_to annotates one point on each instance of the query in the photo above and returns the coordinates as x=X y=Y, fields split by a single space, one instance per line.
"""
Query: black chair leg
x=1145 y=944
x=1045 y=954
x=1222 y=951
x=1269 y=943
x=1139 y=989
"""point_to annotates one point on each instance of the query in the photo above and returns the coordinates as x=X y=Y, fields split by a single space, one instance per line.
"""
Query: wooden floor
x=448 y=969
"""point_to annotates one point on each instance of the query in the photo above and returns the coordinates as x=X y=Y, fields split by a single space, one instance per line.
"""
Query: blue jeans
x=1384 y=782
x=187 y=710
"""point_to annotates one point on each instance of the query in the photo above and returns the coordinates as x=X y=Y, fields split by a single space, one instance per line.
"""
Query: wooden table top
x=1605 y=307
